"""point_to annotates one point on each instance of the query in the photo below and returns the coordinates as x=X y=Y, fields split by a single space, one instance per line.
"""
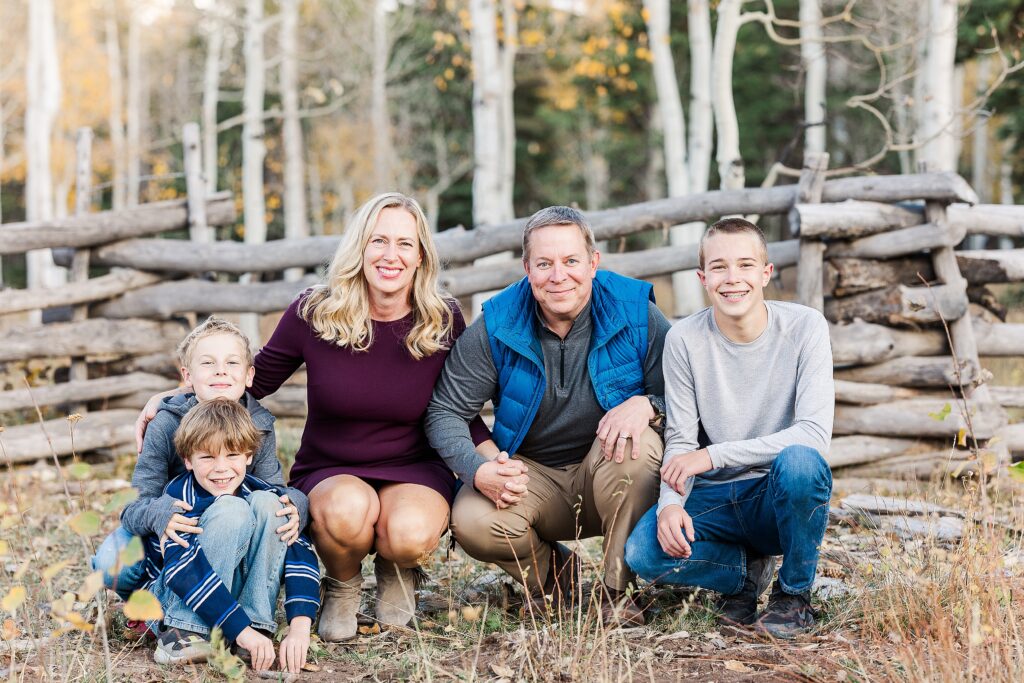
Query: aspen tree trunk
x=935 y=125
x=492 y=94
x=211 y=95
x=701 y=113
x=254 y=149
x=43 y=93
x=1006 y=181
x=381 y=121
x=510 y=26
x=980 y=180
x=115 y=119
x=730 y=163
x=812 y=55
x=316 y=194
x=295 y=224
x=686 y=289
x=134 y=112
x=595 y=165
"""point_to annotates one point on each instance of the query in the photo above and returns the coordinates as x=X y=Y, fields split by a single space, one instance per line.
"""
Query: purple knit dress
x=365 y=409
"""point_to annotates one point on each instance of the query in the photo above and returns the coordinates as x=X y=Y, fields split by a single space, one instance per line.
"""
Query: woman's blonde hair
x=338 y=310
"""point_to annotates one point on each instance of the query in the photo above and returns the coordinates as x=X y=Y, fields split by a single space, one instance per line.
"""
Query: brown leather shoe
x=561 y=587
x=618 y=609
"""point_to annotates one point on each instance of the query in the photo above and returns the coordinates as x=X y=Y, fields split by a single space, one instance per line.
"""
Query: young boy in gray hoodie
x=216 y=362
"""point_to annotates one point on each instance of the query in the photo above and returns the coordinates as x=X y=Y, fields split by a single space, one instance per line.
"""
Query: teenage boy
x=755 y=378
x=216 y=362
x=229 y=577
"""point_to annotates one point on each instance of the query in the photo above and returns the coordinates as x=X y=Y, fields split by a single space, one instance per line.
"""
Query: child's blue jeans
x=243 y=548
x=783 y=513
x=124 y=579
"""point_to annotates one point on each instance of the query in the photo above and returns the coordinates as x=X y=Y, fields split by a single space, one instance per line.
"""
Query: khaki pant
x=592 y=498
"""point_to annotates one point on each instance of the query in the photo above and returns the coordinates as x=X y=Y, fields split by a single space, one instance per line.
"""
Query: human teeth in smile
x=734 y=296
x=388 y=272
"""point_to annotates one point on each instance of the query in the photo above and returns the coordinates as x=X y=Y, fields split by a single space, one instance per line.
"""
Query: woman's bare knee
x=346 y=510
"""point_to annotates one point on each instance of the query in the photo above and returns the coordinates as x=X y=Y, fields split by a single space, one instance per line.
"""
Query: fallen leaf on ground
x=738 y=667
x=370 y=630
x=503 y=671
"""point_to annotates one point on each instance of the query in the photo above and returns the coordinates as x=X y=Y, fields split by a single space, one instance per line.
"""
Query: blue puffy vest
x=618 y=348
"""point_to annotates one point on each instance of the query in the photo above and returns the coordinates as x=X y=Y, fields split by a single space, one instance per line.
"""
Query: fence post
x=80 y=261
x=195 y=186
x=809 y=287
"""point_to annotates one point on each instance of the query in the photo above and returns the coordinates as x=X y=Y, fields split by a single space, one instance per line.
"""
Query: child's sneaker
x=139 y=630
x=177 y=646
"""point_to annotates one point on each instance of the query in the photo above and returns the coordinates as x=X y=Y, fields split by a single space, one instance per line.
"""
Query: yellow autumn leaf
x=12 y=601
x=143 y=606
x=131 y=553
x=4 y=548
x=961 y=437
x=78 y=621
x=54 y=569
x=92 y=584
x=120 y=499
x=471 y=613
x=369 y=630
x=79 y=470
x=9 y=631
x=85 y=523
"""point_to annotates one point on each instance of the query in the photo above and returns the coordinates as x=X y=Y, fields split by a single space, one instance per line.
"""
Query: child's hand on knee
x=261 y=648
x=295 y=645
x=290 y=530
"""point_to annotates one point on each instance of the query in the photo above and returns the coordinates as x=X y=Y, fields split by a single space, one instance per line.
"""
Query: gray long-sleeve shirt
x=566 y=422
x=752 y=399
x=158 y=463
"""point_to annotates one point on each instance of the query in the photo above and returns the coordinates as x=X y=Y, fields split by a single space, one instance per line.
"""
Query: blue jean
x=782 y=513
x=122 y=579
x=240 y=543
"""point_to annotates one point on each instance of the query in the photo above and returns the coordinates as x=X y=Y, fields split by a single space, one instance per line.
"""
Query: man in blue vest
x=571 y=359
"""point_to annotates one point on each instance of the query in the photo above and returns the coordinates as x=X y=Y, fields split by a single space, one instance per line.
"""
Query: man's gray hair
x=558 y=215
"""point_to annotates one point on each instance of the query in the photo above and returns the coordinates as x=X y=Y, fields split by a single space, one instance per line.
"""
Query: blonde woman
x=373 y=337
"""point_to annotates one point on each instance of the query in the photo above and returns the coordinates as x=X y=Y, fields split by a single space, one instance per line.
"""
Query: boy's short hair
x=213 y=425
x=732 y=226
x=212 y=325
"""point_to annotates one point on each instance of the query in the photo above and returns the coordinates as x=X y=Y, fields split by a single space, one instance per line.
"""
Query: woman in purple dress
x=373 y=337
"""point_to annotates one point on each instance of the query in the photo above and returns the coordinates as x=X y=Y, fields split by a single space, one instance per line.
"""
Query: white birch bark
x=936 y=112
x=254 y=149
x=487 y=97
x=380 y=119
x=730 y=163
x=812 y=54
x=686 y=289
x=979 y=147
x=701 y=113
x=316 y=195
x=1006 y=181
x=115 y=118
x=133 y=113
x=492 y=200
x=295 y=224
x=211 y=95
x=510 y=29
x=43 y=93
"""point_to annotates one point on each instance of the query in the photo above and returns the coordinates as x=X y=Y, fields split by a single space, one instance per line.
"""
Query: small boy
x=229 y=577
x=216 y=362
x=753 y=379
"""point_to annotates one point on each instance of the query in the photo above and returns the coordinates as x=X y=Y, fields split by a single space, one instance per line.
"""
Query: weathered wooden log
x=223 y=257
x=1008 y=397
x=851 y=219
x=917 y=417
x=171 y=298
x=918 y=466
x=288 y=401
x=464 y=246
x=860 y=449
x=810 y=289
x=982 y=266
x=929 y=372
x=28 y=442
x=1012 y=436
x=862 y=343
x=863 y=394
x=901 y=305
x=942 y=187
x=163 y=363
x=117 y=282
x=848 y=276
x=999 y=339
x=896 y=243
x=108 y=226
x=90 y=338
x=988 y=219
x=986 y=299
x=85 y=390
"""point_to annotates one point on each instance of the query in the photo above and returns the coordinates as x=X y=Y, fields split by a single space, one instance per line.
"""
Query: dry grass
x=918 y=611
